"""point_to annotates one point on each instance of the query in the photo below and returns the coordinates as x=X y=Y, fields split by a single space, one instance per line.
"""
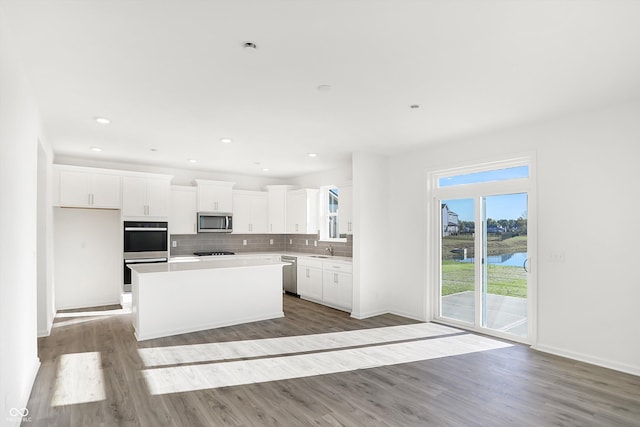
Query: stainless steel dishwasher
x=290 y=274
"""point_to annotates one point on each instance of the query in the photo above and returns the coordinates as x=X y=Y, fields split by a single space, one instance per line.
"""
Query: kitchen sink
x=318 y=256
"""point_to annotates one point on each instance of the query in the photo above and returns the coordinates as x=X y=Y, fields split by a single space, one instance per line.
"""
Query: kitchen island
x=176 y=298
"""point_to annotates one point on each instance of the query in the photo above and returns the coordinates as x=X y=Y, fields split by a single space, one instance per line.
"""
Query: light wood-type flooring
x=316 y=366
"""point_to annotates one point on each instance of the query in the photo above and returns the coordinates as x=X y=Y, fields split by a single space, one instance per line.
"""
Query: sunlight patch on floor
x=79 y=379
x=78 y=317
x=210 y=352
x=223 y=374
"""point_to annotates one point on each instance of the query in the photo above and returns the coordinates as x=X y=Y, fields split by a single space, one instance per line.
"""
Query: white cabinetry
x=345 y=209
x=302 y=211
x=215 y=196
x=337 y=285
x=145 y=196
x=82 y=188
x=182 y=210
x=310 y=279
x=249 y=212
x=277 y=208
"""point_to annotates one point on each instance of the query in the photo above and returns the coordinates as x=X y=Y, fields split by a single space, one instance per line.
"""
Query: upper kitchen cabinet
x=215 y=196
x=81 y=187
x=302 y=211
x=183 y=210
x=249 y=212
x=277 y=208
x=145 y=196
x=345 y=211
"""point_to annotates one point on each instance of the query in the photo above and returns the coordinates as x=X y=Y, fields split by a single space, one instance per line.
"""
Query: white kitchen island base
x=176 y=298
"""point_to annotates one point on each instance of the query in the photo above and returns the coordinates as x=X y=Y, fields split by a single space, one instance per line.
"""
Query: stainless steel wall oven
x=144 y=242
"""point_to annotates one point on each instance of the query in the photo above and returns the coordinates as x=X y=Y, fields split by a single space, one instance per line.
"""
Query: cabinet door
x=75 y=189
x=134 y=196
x=105 y=191
x=157 y=197
x=331 y=287
x=296 y=212
x=182 y=211
x=277 y=209
x=310 y=283
x=241 y=213
x=213 y=198
x=259 y=213
x=345 y=290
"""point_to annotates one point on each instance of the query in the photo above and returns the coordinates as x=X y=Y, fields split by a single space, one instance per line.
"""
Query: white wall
x=338 y=176
x=19 y=126
x=371 y=271
x=88 y=249
x=587 y=167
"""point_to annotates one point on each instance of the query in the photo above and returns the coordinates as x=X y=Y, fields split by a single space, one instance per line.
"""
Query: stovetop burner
x=209 y=253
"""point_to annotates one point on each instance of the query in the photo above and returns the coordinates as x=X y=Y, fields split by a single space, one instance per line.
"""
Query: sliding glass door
x=504 y=270
x=482 y=256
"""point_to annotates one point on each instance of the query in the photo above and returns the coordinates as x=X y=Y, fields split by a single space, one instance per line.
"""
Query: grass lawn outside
x=502 y=280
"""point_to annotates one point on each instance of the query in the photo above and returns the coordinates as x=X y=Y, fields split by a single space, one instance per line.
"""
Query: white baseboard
x=368 y=314
x=407 y=315
x=605 y=363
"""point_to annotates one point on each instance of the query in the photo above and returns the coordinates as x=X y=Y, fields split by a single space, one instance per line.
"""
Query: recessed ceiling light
x=96 y=149
x=102 y=120
x=312 y=155
x=226 y=140
x=193 y=161
x=324 y=88
x=265 y=169
x=414 y=106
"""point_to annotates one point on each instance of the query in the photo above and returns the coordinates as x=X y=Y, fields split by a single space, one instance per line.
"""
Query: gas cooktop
x=208 y=253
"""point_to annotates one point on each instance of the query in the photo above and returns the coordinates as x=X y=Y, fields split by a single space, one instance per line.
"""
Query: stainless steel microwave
x=215 y=222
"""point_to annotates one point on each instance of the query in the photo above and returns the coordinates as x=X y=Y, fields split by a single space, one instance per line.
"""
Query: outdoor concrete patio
x=504 y=313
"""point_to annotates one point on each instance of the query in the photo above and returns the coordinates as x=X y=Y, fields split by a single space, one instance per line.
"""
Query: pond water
x=509 y=260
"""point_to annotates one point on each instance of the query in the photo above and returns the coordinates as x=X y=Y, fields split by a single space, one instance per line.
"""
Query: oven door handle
x=143 y=260
x=145 y=229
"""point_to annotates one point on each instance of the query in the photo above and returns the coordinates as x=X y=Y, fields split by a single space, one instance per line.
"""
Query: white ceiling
x=172 y=74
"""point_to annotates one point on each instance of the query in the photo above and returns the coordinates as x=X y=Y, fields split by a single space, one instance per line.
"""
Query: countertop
x=193 y=258
x=220 y=262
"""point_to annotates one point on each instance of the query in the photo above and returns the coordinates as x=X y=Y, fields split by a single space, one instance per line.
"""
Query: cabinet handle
x=335 y=277
x=89 y=198
x=307 y=272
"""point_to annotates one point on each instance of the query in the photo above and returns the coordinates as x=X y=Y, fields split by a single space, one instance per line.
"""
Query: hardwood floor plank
x=507 y=386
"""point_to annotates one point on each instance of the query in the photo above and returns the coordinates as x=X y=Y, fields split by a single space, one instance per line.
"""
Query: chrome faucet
x=330 y=250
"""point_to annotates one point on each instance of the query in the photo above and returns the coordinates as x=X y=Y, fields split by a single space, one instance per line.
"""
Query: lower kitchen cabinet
x=310 y=279
x=337 y=285
x=326 y=282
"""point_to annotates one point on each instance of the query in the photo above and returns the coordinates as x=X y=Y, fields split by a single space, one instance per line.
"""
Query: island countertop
x=196 y=264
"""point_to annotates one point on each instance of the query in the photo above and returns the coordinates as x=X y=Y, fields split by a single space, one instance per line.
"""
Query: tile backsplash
x=187 y=244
